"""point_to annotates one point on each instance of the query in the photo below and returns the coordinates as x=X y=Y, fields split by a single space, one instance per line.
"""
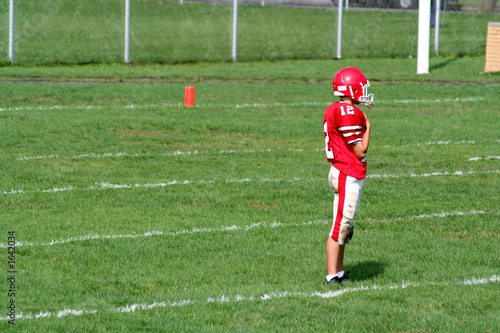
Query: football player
x=347 y=136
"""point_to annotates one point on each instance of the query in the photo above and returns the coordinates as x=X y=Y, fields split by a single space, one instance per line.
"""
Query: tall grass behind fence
x=4 y=30
x=463 y=32
x=170 y=32
x=66 y=31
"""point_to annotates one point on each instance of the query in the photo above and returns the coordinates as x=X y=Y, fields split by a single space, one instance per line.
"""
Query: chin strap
x=370 y=106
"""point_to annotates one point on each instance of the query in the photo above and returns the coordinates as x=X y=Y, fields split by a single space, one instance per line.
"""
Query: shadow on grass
x=442 y=64
x=366 y=270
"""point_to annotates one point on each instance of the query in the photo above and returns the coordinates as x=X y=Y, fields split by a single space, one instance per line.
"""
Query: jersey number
x=329 y=151
x=350 y=110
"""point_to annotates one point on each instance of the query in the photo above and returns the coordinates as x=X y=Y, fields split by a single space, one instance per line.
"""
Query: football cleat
x=335 y=280
x=345 y=277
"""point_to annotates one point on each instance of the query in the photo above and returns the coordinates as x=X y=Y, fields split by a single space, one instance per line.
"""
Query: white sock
x=340 y=274
x=330 y=277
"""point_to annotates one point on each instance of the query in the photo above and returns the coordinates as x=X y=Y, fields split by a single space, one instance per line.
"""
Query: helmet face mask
x=366 y=98
x=351 y=82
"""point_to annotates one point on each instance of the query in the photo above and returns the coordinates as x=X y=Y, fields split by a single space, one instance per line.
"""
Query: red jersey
x=343 y=126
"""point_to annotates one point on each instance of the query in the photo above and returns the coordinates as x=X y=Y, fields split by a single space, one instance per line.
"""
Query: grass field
x=134 y=213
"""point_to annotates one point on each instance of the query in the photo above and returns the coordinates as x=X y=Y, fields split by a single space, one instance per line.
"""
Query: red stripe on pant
x=340 y=207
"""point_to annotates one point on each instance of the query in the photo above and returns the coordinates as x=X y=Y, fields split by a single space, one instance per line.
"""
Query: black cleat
x=335 y=280
x=345 y=277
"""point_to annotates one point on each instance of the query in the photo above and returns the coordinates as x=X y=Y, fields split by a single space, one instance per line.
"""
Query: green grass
x=92 y=31
x=452 y=70
x=235 y=193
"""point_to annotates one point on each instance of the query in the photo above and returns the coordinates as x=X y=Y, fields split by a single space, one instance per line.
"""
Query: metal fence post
x=11 y=32
x=235 y=29
x=339 y=32
x=436 y=31
x=127 y=31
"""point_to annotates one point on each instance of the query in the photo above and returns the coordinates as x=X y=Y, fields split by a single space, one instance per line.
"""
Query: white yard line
x=106 y=186
x=446 y=142
x=433 y=174
x=169 y=154
x=237 y=106
x=255 y=225
x=484 y=158
x=244 y=151
x=396 y=101
x=130 y=308
x=88 y=107
x=438 y=100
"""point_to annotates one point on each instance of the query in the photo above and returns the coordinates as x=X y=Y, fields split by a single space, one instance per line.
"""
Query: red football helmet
x=351 y=82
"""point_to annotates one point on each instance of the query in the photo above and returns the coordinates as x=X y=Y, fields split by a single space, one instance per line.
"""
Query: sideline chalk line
x=105 y=185
x=484 y=158
x=244 y=151
x=396 y=101
x=237 y=106
x=247 y=227
x=130 y=308
x=123 y=154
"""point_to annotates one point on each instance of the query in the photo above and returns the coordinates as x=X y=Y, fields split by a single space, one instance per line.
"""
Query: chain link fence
x=180 y=31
